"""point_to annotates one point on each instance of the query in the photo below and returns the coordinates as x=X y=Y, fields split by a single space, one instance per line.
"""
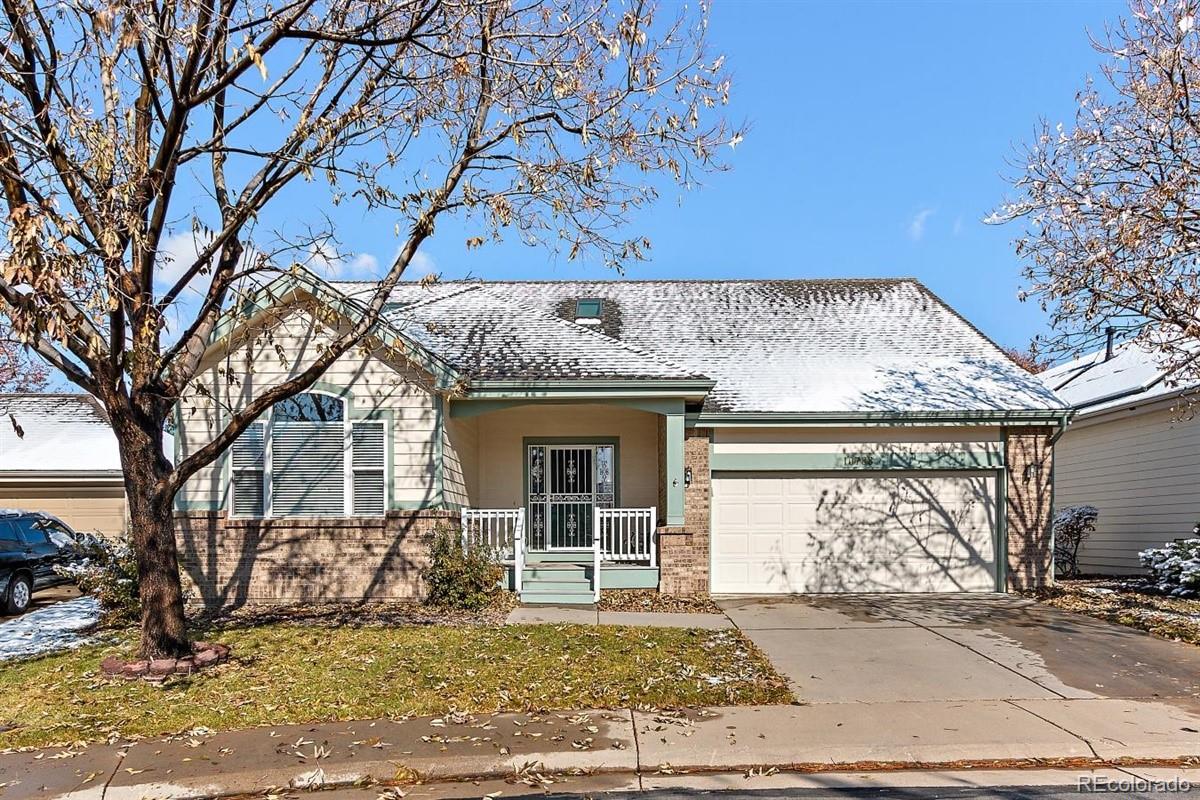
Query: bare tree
x=1028 y=359
x=20 y=370
x=123 y=123
x=1111 y=204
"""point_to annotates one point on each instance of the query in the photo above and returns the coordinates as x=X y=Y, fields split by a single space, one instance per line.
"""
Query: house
x=59 y=455
x=742 y=436
x=1132 y=451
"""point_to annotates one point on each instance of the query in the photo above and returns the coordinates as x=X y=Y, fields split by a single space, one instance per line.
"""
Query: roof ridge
x=607 y=339
x=48 y=395
x=698 y=281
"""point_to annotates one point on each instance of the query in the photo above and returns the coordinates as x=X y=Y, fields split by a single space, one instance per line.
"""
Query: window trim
x=349 y=419
x=591 y=302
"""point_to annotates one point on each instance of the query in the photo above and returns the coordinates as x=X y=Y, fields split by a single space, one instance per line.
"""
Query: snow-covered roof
x=786 y=346
x=1093 y=383
x=55 y=433
x=490 y=337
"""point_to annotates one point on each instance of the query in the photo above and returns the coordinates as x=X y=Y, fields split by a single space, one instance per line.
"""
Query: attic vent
x=587 y=311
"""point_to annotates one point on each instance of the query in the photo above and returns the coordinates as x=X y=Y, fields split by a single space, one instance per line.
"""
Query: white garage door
x=783 y=532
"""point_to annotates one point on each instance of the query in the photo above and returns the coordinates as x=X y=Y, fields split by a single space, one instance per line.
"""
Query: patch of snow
x=50 y=629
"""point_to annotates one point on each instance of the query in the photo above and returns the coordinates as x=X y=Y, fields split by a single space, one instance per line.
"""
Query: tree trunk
x=152 y=527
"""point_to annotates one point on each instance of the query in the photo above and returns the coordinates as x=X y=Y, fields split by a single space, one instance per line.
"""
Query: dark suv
x=32 y=546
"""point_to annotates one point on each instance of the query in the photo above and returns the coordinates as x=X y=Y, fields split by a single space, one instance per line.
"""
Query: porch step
x=569 y=556
x=540 y=597
x=557 y=582
x=557 y=572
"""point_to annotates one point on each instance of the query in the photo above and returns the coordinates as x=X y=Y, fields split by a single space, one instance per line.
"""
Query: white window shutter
x=247 y=465
x=369 y=463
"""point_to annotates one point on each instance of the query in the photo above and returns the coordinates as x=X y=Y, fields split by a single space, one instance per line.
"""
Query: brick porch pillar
x=1029 y=457
x=683 y=551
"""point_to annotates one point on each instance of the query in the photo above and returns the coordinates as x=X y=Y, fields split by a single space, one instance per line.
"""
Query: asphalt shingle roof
x=55 y=433
x=489 y=337
x=1094 y=383
x=771 y=346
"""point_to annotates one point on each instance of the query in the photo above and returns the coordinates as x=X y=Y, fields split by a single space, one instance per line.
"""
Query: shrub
x=107 y=569
x=457 y=579
x=1072 y=525
x=1174 y=569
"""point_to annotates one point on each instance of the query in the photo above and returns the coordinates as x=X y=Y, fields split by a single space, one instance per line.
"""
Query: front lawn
x=282 y=672
x=1122 y=602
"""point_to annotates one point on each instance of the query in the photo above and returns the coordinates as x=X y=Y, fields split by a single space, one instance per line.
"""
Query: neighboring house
x=1132 y=451
x=726 y=436
x=58 y=455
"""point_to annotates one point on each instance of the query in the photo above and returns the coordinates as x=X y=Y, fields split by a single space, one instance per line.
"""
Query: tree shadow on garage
x=897 y=532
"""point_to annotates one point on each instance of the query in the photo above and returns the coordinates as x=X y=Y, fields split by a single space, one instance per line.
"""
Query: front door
x=566 y=482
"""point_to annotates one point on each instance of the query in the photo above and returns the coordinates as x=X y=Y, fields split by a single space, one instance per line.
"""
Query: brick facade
x=236 y=562
x=683 y=552
x=1029 y=495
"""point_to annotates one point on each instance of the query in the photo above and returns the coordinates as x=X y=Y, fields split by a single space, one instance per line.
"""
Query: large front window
x=307 y=459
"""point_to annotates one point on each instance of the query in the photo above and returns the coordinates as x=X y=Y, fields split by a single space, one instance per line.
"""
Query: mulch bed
x=650 y=600
x=1128 y=602
x=365 y=614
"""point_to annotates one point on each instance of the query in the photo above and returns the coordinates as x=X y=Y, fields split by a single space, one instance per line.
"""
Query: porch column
x=674 y=458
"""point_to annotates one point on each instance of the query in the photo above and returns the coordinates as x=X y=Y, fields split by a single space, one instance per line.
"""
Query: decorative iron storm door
x=565 y=483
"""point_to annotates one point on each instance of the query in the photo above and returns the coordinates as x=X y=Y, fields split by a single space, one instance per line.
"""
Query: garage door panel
x=877 y=532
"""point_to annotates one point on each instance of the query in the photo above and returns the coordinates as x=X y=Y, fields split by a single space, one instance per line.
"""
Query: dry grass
x=1125 y=603
x=284 y=672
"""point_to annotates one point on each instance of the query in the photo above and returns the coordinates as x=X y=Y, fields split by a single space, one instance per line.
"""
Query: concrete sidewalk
x=619 y=742
x=591 y=615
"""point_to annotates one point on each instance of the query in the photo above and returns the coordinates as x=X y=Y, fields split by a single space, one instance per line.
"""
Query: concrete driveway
x=969 y=676
x=906 y=648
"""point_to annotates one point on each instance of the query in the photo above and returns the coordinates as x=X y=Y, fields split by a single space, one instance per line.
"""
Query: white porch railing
x=502 y=530
x=627 y=534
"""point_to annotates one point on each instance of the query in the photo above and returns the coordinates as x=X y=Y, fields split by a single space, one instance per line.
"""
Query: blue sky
x=879 y=137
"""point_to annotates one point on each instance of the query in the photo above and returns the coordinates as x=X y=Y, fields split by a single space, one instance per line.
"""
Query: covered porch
x=571 y=493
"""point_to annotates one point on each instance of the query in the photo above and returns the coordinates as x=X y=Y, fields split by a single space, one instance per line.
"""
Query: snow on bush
x=1072 y=525
x=1175 y=569
x=108 y=571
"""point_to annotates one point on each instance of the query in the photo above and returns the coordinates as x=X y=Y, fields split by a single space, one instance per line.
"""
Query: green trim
x=674 y=474
x=177 y=414
x=195 y=505
x=354 y=413
x=823 y=462
x=439 y=448
x=417 y=505
x=470 y=407
x=529 y=441
x=1002 y=522
x=301 y=281
x=588 y=389
x=627 y=577
x=889 y=418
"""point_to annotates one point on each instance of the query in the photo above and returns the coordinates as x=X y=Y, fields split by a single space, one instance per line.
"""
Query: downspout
x=1063 y=421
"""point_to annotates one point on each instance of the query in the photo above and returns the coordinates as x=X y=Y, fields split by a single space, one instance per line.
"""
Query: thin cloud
x=916 y=226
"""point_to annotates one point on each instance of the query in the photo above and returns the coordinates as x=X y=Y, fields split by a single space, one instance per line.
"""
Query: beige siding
x=85 y=507
x=380 y=380
x=501 y=457
x=1143 y=472
x=460 y=459
x=812 y=440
